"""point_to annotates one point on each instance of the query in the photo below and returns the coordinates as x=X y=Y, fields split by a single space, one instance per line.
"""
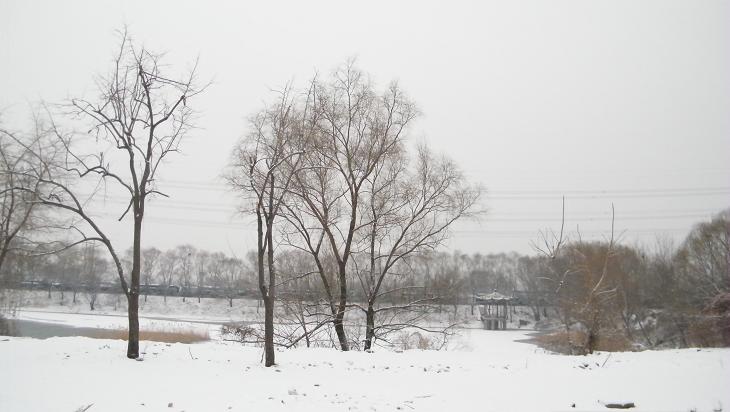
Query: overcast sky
x=615 y=101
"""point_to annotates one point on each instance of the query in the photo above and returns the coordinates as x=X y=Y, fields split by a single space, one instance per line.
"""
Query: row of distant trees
x=184 y=270
x=683 y=286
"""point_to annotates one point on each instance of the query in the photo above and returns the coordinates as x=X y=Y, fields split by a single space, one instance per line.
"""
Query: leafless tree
x=587 y=277
x=185 y=255
x=166 y=272
x=202 y=259
x=138 y=118
x=263 y=168
x=531 y=277
x=226 y=274
x=17 y=190
x=705 y=257
x=94 y=269
x=407 y=211
x=149 y=266
x=353 y=130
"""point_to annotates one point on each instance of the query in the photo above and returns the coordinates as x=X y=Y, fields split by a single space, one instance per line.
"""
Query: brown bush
x=709 y=331
x=576 y=342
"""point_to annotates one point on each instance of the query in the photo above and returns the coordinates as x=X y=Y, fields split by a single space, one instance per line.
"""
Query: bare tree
x=353 y=130
x=17 y=191
x=532 y=280
x=407 y=212
x=94 y=269
x=263 y=169
x=185 y=255
x=149 y=266
x=202 y=259
x=705 y=257
x=166 y=272
x=226 y=274
x=588 y=278
x=138 y=118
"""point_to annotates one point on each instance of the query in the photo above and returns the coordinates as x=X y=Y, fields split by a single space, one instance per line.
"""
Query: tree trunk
x=340 y=315
x=133 y=295
x=270 y=297
x=269 y=331
x=133 y=343
x=369 y=326
x=591 y=343
x=267 y=294
x=340 y=330
x=536 y=313
x=303 y=321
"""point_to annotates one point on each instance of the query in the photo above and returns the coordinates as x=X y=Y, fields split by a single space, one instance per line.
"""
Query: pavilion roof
x=491 y=298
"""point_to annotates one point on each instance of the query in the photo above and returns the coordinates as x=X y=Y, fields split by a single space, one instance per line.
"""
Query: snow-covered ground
x=484 y=370
x=481 y=370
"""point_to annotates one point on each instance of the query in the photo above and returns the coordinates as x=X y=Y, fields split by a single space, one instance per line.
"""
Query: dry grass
x=187 y=336
x=575 y=342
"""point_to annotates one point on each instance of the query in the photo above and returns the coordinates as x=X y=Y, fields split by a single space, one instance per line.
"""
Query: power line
x=490 y=217
x=528 y=192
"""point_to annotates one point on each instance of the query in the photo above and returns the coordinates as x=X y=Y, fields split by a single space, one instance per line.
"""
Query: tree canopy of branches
x=138 y=117
x=332 y=163
x=406 y=210
x=705 y=257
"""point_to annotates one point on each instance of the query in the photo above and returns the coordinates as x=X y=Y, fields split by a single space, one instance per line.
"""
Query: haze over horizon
x=601 y=102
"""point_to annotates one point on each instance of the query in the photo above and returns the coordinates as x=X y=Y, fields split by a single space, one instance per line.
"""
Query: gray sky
x=612 y=101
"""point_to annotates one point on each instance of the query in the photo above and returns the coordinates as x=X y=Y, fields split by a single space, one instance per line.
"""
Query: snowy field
x=481 y=370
